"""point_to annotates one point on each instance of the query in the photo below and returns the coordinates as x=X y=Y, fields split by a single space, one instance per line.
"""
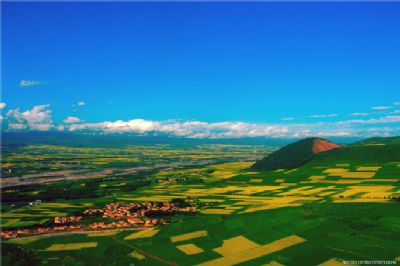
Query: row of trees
x=67 y=190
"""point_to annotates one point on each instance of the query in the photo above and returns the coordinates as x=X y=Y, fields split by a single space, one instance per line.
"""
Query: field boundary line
x=146 y=253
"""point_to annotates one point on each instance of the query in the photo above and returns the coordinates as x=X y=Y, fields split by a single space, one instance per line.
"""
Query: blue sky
x=255 y=63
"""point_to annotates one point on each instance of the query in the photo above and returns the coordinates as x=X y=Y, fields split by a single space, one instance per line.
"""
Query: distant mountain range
x=319 y=151
x=112 y=140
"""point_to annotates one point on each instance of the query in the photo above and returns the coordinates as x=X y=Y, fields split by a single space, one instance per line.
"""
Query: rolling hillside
x=379 y=141
x=372 y=150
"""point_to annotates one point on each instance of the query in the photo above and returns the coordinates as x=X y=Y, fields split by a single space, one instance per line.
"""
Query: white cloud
x=2 y=105
x=28 y=83
x=17 y=126
x=60 y=128
x=72 y=119
x=358 y=114
x=381 y=107
x=287 y=118
x=40 y=127
x=76 y=106
x=323 y=116
x=335 y=134
x=382 y=120
x=192 y=129
x=38 y=118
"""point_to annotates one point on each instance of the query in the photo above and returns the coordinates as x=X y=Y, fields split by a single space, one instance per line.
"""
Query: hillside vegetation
x=361 y=153
x=295 y=154
x=380 y=141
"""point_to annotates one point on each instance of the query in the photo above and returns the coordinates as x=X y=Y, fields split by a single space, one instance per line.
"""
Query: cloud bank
x=381 y=107
x=72 y=120
x=40 y=118
x=358 y=114
x=323 y=116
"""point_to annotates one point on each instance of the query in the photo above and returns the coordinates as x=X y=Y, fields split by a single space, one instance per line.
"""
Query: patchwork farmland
x=332 y=209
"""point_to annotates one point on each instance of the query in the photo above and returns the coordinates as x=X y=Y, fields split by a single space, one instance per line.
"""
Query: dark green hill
x=380 y=140
x=295 y=154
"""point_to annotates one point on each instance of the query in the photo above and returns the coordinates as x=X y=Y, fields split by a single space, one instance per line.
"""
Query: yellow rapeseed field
x=223 y=174
x=315 y=190
x=256 y=180
x=333 y=262
x=331 y=171
x=316 y=177
x=279 y=202
x=295 y=190
x=233 y=207
x=323 y=194
x=357 y=174
x=137 y=255
x=188 y=236
x=370 y=193
x=233 y=166
x=256 y=252
x=257 y=189
x=71 y=246
x=290 y=171
x=288 y=184
x=369 y=168
x=235 y=245
x=216 y=211
x=143 y=234
x=342 y=181
x=189 y=249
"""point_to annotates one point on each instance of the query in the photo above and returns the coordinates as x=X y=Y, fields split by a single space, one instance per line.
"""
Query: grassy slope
x=380 y=140
x=376 y=150
x=360 y=153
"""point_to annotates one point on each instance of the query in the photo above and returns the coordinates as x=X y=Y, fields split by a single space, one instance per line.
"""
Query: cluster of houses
x=119 y=210
x=40 y=230
x=129 y=223
x=69 y=219
x=121 y=215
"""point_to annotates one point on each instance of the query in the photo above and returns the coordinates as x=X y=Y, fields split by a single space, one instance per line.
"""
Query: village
x=114 y=215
